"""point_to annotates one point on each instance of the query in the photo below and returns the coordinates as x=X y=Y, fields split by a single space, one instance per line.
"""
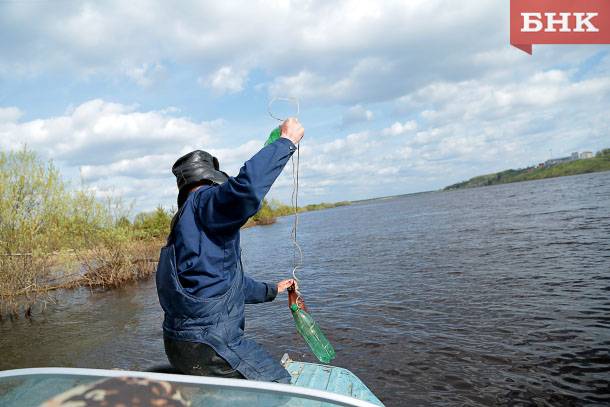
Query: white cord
x=294 y=101
x=294 y=199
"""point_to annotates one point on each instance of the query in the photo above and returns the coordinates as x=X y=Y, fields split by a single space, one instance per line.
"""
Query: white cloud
x=347 y=50
x=10 y=114
x=136 y=167
x=487 y=125
x=231 y=159
x=111 y=145
x=100 y=132
x=225 y=80
x=366 y=79
x=512 y=107
x=445 y=106
x=356 y=114
x=464 y=129
x=398 y=128
x=304 y=85
x=146 y=74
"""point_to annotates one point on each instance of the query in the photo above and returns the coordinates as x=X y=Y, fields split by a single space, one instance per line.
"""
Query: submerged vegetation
x=54 y=237
x=601 y=162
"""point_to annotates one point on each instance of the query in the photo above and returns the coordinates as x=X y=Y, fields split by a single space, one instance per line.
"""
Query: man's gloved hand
x=292 y=130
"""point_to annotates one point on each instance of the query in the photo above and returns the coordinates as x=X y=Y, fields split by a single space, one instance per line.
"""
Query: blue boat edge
x=328 y=378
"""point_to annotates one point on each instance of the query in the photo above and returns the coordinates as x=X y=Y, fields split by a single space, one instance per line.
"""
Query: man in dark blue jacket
x=200 y=279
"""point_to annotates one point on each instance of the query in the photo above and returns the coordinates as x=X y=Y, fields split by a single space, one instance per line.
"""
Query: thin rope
x=297 y=257
x=298 y=252
x=294 y=101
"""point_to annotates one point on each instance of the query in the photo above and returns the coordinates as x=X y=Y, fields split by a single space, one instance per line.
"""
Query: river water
x=495 y=295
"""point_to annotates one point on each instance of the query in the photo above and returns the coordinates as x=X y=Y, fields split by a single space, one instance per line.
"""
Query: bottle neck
x=292 y=296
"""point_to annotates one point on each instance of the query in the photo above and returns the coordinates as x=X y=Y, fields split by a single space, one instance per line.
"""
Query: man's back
x=206 y=260
x=201 y=284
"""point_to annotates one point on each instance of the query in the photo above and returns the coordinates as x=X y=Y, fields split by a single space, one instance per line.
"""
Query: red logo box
x=559 y=22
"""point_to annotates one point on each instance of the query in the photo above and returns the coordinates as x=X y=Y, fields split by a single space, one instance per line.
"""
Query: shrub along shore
x=55 y=237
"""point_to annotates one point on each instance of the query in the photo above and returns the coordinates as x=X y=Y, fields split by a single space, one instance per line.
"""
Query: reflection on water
x=497 y=295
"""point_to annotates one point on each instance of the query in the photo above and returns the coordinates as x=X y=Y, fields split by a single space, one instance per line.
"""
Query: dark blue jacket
x=200 y=279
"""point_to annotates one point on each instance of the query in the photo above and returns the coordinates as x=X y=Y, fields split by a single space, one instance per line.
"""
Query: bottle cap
x=294 y=307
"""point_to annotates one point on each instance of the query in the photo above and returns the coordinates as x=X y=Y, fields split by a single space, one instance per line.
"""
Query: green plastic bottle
x=311 y=332
x=274 y=135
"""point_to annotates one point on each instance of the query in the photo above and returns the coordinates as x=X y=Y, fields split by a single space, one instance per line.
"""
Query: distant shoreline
x=379 y=198
x=599 y=163
x=270 y=211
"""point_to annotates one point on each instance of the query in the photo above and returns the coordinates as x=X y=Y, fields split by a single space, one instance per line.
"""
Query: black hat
x=197 y=166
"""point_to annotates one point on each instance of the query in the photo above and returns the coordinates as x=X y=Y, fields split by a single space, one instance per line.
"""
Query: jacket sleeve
x=257 y=292
x=227 y=207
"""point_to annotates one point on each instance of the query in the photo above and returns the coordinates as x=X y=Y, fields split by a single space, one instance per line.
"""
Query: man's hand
x=292 y=130
x=285 y=284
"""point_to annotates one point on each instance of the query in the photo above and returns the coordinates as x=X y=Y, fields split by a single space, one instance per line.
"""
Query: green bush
x=265 y=215
x=41 y=218
x=605 y=153
x=38 y=213
x=152 y=225
x=280 y=209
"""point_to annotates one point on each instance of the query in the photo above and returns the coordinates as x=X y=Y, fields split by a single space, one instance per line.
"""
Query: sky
x=395 y=96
